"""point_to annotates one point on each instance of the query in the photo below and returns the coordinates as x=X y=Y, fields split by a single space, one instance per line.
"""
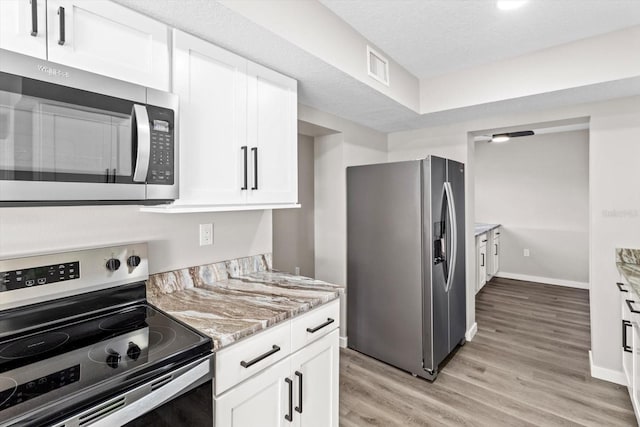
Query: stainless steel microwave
x=69 y=136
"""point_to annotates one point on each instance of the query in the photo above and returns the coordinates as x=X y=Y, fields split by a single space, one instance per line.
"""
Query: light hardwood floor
x=527 y=366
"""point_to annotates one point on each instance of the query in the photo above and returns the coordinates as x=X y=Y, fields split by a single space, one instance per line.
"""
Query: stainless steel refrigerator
x=406 y=297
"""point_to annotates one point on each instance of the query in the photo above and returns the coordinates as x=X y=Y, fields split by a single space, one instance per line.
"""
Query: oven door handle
x=140 y=122
x=134 y=408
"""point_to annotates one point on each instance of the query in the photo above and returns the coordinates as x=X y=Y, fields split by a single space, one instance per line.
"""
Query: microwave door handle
x=140 y=119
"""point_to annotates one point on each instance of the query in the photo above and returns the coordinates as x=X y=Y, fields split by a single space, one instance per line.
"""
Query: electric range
x=80 y=345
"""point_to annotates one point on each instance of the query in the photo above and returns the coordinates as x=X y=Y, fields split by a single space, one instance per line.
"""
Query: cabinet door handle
x=34 y=18
x=245 y=154
x=250 y=363
x=299 y=407
x=620 y=286
x=482 y=265
x=630 y=305
x=61 y=40
x=289 y=416
x=496 y=245
x=317 y=328
x=625 y=346
x=255 y=168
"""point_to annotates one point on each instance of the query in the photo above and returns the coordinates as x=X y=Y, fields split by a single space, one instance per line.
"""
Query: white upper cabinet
x=238 y=129
x=211 y=83
x=108 y=39
x=23 y=27
x=272 y=133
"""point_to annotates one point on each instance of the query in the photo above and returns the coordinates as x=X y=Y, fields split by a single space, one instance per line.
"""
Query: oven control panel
x=38 y=276
x=37 y=387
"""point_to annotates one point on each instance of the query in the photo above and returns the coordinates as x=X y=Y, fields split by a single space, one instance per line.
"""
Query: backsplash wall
x=173 y=238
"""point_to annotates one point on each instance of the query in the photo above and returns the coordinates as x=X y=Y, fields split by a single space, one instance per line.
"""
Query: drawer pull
x=620 y=286
x=250 y=363
x=317 y=328
x=629 y=304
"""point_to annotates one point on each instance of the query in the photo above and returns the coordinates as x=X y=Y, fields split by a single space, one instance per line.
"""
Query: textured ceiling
x=434 y=37
x=328 y=89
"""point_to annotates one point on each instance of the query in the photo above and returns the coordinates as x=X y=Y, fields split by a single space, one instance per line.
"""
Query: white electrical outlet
x=526 y=252
x=206 y=234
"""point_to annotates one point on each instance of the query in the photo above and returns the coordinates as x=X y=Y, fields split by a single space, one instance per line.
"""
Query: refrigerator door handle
x=454 y=235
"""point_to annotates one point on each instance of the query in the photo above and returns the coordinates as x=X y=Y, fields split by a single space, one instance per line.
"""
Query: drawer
x=314 y=324
x=245 y=358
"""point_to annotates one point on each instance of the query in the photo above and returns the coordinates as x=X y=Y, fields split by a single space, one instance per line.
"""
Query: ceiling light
x=510 y=4
x=500 y=137
x=504 y=137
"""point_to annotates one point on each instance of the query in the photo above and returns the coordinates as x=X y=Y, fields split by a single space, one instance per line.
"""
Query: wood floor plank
x=527 y=366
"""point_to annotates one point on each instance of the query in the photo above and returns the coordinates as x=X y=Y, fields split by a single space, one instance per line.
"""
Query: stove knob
x=134 y=351
x=113 y=264
x=133 y=261
x=113 y=360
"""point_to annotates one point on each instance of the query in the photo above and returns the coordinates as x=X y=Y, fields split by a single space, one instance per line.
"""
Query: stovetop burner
x=33 y=345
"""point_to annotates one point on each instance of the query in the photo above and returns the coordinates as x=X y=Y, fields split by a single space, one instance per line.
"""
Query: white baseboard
x=471 y=332
x=606 y=374
x=343 y=342
x=545 y=280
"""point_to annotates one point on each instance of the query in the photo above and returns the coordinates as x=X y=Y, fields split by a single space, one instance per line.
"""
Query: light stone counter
x=481 y=228
x=233 y=299
x=628 y=263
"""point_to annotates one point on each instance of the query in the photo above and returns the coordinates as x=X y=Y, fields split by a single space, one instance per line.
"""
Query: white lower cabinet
x=316 y=370
x=481 y=261
x=494 y=256
x=259 y=401
x=630 y=324
x=299 y=390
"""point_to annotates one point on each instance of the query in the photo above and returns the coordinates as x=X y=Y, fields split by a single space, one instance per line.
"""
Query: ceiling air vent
x=377 y=66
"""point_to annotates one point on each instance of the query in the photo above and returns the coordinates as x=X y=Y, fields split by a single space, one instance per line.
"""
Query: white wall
x=293 y=229
x=560 y=67
x=537 y=187
x=614 y=159
x=173 y=238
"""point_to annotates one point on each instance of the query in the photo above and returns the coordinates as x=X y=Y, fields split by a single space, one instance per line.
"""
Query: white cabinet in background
x=23 y=27
x=238 y=129
x=275 y=383
x=630 y=349
x=481 y=261
x=493 y=253
x=108 y=39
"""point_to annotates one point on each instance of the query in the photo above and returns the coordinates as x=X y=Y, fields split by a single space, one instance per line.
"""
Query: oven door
x=181 y=398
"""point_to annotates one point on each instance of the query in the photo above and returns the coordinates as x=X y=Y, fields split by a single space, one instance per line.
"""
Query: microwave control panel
x=162 y=160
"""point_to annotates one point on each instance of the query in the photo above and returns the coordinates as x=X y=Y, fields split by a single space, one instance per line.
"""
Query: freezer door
x=457 y=292
x=437 y=244
x=384 y=262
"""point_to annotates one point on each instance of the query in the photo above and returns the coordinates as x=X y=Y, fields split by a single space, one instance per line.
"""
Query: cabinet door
x=211 y=83
x=627 y=340
x=482 y=264
x=495 y=255
x=260 y=401
x=109 y=39
x=635 y=390
x=272 y=136
x=315 y=370
x=23 y=27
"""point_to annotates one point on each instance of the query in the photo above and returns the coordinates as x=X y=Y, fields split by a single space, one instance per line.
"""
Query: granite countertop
x=628 y=263
x=233 y=299
x=482 y=228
